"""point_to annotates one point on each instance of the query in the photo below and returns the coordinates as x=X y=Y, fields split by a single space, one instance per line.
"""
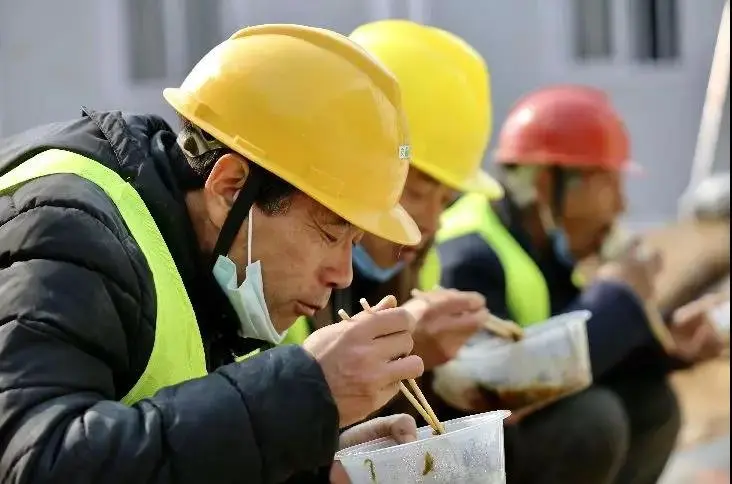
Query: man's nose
x=429 y=230
x=339 y=275
x=430 y=222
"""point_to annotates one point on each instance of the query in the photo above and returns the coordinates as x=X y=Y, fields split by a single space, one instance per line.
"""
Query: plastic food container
x=552 y=361
x=471 y=451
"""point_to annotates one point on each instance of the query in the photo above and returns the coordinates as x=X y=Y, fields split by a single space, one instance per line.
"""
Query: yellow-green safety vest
x=527 y=293
x=177 y=354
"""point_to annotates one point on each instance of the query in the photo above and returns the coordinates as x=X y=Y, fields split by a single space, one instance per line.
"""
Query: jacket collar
x=149 y=158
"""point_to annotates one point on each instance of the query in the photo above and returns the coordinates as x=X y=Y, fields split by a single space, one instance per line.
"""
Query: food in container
x=470 y=451
x=550 y=362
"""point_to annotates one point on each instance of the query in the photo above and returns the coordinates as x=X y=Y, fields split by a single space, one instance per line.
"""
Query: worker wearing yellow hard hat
x=125 y=244
x=447 y=99
x=446 y=94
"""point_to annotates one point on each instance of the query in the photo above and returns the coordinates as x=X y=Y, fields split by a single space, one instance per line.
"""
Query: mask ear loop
x=249 y=236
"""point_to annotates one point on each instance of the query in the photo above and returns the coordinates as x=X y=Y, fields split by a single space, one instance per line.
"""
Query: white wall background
x=119 y=54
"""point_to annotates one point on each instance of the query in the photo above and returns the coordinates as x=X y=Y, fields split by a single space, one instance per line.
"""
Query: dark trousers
x=620 y=431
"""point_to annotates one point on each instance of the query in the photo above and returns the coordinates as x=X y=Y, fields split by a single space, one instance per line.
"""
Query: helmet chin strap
x=229 y=230
x=194 y=142
x=238 y=213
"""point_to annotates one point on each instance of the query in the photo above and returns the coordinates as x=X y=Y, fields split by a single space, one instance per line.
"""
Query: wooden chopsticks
x=504 y=328
x=419 y=402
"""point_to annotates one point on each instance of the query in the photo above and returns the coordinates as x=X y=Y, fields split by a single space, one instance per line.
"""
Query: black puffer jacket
x=77 y=324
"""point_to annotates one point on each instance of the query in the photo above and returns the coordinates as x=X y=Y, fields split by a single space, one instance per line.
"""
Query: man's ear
x=226 y=179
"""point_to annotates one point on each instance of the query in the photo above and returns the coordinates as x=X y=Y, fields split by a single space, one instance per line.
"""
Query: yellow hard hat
x=446 y=93
x=313 y=108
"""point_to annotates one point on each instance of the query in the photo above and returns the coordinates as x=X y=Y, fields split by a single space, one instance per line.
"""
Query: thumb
x=403 y=428
x=690 y=343
x=693 y=310
x=417 y=307
x=400 y=427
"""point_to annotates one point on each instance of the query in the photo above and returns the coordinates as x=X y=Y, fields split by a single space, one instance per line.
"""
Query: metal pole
x=711 y=119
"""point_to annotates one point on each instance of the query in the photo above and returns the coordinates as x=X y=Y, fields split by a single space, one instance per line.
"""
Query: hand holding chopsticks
x=498 y=326
x=362 y=359
x=420 y=402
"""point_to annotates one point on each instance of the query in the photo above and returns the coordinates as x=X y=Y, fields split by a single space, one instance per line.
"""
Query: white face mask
x=248 y=299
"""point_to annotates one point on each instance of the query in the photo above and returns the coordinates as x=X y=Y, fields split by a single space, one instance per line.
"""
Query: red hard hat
x=569 y=126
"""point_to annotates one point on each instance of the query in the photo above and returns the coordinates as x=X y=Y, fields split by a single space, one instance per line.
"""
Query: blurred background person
x=562 y=152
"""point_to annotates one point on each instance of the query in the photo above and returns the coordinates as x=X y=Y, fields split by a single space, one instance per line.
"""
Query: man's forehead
x=600 y=173
x=421 y=176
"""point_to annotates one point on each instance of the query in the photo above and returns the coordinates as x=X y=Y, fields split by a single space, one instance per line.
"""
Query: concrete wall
x=80 y=53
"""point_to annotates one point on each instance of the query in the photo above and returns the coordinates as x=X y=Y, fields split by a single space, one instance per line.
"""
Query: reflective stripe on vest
x=527 y=294
x=177 y=354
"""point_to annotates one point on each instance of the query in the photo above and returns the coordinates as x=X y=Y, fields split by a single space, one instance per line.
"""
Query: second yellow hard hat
x=445 y=89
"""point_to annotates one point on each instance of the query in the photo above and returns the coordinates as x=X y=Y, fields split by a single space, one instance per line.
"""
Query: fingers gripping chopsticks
x=419 y=402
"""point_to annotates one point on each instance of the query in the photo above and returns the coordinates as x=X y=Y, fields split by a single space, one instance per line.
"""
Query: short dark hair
x=275 y=194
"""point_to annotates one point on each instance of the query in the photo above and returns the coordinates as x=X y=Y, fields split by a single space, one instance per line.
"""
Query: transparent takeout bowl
x=471 y=451
x=550 y=362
